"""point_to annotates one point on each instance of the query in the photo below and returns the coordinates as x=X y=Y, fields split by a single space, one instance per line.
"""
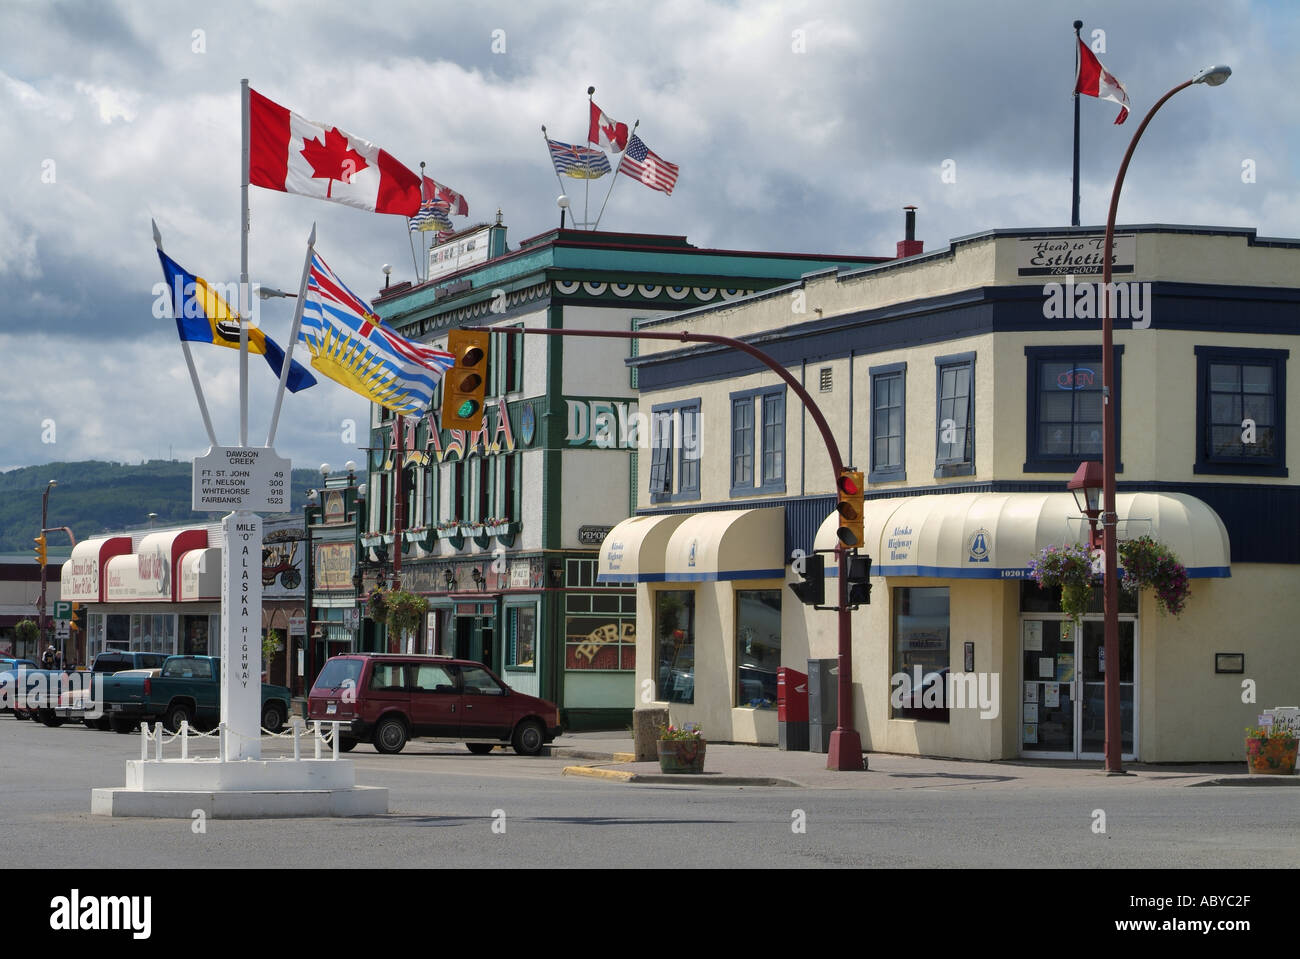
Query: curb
x=568 y=753
x=693 y=779
x=591 y=772
x=1264 y=780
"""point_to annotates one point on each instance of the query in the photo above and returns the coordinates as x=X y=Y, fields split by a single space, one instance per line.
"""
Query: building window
x=675 y=442
x=918 y=686
x=758 y=646
x=955 y=426
x=825 y=379
x=675 y=646
x=600 y=631
x=758 y=415
x=1241 y=411
x=888 y=422
x=507 y=363
x=521 y=637
x=1064 y=407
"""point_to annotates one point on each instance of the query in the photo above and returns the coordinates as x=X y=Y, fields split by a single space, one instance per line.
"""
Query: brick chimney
x=911 y=245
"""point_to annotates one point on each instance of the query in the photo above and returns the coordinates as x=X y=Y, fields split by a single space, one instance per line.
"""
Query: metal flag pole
x=189 y=358
x=615 y=179
x=409 y=242
x=293 y=336
x=1074 y=203
x=245 y=304
x=586 y=190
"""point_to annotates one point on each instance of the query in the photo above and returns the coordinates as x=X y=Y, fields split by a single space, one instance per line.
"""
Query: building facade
x=502 y=527
x=966 y=384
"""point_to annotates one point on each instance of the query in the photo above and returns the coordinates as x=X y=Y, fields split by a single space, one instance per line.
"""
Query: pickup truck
x=187 y=689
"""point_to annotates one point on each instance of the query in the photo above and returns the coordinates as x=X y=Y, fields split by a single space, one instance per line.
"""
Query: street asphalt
x=451 y=809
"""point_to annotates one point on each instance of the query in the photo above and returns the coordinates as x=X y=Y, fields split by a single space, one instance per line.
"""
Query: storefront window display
x=758 y=646
x=921 y=657
x=675 y=646
x=600 y=631
x=522 y=637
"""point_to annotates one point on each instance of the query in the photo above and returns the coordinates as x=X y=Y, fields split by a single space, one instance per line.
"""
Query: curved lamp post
x=1212 y=76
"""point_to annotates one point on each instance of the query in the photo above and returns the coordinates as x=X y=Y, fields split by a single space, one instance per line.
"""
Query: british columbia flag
x=349 y=343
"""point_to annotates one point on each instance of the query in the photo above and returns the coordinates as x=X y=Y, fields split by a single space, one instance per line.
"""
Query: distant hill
x=93 y=496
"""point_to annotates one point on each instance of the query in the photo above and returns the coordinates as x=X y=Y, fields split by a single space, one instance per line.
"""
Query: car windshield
x=337 y=671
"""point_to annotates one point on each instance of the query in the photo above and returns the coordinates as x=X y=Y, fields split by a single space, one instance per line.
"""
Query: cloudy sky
x=800 y=126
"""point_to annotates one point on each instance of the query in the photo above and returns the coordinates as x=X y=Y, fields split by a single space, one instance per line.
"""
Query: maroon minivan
x=388 y=698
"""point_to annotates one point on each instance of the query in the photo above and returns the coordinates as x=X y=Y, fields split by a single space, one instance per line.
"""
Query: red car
x=386 y=699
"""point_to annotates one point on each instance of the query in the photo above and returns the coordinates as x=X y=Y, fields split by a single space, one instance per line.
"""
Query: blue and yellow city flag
x=203 y=316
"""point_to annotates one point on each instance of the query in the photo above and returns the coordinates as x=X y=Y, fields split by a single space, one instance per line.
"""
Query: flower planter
x=681 y=755
x=1274 y=756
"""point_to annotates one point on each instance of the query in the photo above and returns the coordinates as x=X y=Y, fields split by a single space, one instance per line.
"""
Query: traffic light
x=859 y=581
x=812 y=591
x=76 y=617
x=850 y=508
x=464 y=385
x=39 y=548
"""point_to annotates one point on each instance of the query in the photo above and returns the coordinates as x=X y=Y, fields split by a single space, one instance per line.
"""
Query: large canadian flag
x=1094 y=80
x=296 y=155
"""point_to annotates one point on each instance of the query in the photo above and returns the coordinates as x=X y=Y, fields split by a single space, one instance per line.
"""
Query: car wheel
x=88 y=723
x=480 y=749
x=49 y=719
x=347 y=744
x=390 y=735
x=272 y=717
x=176 y=714
x=529 y=738
x=103 y=724
x=123 y=725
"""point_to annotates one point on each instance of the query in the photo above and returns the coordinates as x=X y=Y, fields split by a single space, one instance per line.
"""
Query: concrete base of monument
x=240 y=789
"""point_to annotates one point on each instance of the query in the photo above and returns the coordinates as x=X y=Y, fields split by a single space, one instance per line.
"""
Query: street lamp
x=1086 y=485
x=45 y=506
x=1211 y=76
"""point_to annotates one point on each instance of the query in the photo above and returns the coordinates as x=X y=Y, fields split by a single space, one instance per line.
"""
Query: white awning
x=995 y=535
x=82 y=576
x=728 y=544
x=633 y=552
x=201 y=575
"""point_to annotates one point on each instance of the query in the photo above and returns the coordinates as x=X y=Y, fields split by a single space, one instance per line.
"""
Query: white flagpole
x=614 y=182
x=552 y=159
x=245 y=304
x=586 y=192
x=189 y=359
x=293 y=336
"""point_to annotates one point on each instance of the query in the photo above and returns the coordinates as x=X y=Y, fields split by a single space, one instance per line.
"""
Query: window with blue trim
x=1064 y=407
x=888 y=423
x=675 y=451
x=955 y=422
x=758 y=441
x=1241 y=411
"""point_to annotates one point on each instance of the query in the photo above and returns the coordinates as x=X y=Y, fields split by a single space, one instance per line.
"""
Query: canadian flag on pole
x=294 y=155
x=1094 y=80
x=605 y=132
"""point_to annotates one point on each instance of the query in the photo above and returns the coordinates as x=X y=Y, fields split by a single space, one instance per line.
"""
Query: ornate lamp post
x=1086 y=485
x=1212 y=76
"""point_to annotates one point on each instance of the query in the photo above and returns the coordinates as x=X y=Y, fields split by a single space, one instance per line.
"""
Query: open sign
x=1077 y=379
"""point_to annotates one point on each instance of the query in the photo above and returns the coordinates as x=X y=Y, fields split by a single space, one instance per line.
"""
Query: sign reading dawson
x=1073 y=255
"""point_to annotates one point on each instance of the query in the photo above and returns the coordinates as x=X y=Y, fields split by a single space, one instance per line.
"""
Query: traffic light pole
x=845 y=751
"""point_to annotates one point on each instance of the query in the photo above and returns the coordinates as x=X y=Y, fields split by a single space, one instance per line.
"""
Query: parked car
x=78 y=703
x=387 y=699
x=9 y=685
x=188 y=688
x=116 y=660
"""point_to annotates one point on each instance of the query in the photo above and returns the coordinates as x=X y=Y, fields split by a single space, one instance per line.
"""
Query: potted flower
x=1271 y=750
x=1148 y=564
x=1070 y=568
x=681 y=748
x=377 y=605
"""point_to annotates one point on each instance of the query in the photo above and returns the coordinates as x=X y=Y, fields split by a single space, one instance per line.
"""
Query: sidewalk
x=608 y=756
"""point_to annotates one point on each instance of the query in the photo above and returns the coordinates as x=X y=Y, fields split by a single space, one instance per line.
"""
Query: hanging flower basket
x=406 y=612
x=1070 y=568
x=1151 y=565
x=377 y=606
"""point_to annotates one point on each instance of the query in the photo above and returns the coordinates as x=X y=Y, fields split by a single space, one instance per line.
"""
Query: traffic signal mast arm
x=845 y=751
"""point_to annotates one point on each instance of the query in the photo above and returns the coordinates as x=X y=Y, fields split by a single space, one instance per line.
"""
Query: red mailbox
x=791 y=708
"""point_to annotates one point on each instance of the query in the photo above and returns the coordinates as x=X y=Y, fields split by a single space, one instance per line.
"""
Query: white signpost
x=241 y=634
x=252 y=478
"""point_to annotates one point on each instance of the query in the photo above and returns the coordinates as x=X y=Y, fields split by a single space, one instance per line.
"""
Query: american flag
x=349 y=343
x=642 y=163
x=581 y=163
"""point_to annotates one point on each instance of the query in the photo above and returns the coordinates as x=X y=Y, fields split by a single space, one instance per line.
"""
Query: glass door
x=1048 y=720
x=1063 y=673
x=1093 y=701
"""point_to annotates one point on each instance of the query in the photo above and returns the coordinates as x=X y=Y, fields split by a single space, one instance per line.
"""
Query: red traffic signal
x=850 y=507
